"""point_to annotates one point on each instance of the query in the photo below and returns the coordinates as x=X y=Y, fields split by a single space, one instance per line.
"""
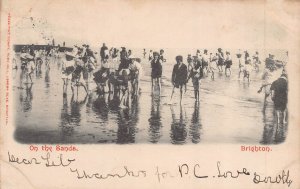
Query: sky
x=156 y=24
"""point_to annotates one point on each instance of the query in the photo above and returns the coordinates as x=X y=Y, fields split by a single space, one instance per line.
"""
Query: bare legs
x=78 y=84
x=158 y=81
x=227 y=69
x=212 y=74
x=278 y=116
x=65 y=86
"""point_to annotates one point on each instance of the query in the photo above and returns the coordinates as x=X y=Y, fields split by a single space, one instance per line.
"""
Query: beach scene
x=229 y=109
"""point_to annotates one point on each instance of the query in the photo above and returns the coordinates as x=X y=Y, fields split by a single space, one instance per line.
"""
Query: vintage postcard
x=150 y=94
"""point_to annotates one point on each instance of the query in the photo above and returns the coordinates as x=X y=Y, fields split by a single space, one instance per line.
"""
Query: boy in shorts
x=179 y=75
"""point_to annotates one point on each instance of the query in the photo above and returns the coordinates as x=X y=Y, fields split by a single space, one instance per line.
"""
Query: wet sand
x=230 y=111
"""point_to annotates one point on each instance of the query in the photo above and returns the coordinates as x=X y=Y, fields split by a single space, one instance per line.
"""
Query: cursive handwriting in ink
x=60 y=162
x=283 y=177
x=196 y=167
x=161 y=175
x=13 y=159
x=127 y=172
x=184 y=170
x=229 y=173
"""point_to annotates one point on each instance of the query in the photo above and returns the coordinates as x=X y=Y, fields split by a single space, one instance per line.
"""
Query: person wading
x=179 y=76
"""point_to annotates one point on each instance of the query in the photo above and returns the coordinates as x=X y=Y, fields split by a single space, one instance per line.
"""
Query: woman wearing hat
x=156 y=70
x=68 y=67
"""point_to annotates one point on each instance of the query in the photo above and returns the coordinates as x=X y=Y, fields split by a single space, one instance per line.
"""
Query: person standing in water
x=196 y=74
x=205 y=60
x=102 y=53
x=144 y=53
x=247 y=70
x=246 y=56
x=156 y=70
x=239 y=56
x=30 y=67
x=213 y=61
x=220 y=59
x=150 y=55
x=68 y=67
x=179 y=76
x=256 y=61
x=161 y=55
x=228 y=63
x=279 y=90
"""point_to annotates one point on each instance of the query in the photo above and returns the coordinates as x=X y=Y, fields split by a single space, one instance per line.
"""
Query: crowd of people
x=119 y=71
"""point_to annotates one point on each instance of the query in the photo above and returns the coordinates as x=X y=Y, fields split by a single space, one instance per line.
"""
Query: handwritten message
x=180 y=171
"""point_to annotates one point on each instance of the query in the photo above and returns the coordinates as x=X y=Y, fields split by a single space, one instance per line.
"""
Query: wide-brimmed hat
x=70 y=54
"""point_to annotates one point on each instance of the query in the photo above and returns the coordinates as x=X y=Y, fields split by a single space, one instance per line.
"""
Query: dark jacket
x=179 y=74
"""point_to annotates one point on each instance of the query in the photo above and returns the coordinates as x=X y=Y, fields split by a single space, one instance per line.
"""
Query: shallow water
x=230 y=111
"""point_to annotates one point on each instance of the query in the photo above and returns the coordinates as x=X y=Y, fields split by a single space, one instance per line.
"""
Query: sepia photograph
x=78 y=94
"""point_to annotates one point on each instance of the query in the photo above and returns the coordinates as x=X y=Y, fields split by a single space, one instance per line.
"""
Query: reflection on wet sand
x=47 y=78
x=178 y=132
x=155 y=122
x=26 y=98
x=127 y=122
x=273 y=132
x=71 y=118
x=196 y=125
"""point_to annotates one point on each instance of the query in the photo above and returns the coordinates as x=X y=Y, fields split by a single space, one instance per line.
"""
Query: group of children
x=32 y=60
x=120 y=71
x=197 y=67
x=77 y=65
